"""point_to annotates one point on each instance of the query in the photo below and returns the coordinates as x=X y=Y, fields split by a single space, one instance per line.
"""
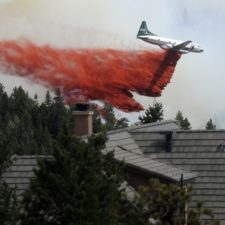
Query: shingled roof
x=21 y=171
x=162 y=150
x=18 y=175
x=165 y=125
x=126 y=149
x=199 y=151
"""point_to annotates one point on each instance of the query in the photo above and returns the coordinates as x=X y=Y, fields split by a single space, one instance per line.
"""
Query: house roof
x=21 y=170
x=165 y=125
x=126 y=149
x=199 y=151
x=192 y=153
x=18 y=175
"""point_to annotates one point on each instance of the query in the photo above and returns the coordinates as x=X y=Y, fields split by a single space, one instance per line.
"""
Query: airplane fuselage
x=167 y=44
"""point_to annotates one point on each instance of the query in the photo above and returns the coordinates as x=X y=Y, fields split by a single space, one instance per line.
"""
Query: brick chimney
x=83 y=120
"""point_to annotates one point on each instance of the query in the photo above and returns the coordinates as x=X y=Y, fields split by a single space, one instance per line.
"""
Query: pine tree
x=45 y=111
x=183 y=122
x=59 y=116
x=165 y=204
x=20 y=101
x=122 y=123
x=210 y=125
x=48 y=99
x=152 y=114
x=4 y=102
x=8 y=200
x=109 y=117
x=78 y=185
x=8 y=205
x=111 y=122
x=97 y=122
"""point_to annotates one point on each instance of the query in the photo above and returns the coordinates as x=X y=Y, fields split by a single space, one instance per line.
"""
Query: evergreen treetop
x=210 y=125
x=110 y=122
x=79 y=185
x=183 y=122
x=152 y=114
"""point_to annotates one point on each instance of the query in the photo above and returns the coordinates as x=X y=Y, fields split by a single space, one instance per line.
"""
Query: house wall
x=137 y=178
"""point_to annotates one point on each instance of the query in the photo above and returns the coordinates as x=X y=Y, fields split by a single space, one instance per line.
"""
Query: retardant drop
x=91 y=74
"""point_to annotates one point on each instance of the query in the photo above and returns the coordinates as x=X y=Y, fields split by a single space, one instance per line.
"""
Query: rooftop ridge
x=180 y=131
x=136 y=127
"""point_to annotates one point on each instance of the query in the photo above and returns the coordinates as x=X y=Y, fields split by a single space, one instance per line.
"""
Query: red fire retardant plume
x=91 y=74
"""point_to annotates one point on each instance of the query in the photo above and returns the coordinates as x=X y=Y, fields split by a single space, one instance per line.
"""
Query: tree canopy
x=9 y=208
x=152 y=114
x=183 y=122
x=105 y=119
x=79 y=185
x=29 y=127
x=166 y=204
x=210 y=125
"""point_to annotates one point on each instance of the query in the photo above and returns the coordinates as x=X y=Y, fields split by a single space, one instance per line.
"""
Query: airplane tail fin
x=143 y=30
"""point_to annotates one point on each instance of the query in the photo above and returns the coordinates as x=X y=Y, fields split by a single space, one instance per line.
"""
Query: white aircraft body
x=166 y=43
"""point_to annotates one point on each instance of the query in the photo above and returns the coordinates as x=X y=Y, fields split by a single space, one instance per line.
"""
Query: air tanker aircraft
x=166 y=43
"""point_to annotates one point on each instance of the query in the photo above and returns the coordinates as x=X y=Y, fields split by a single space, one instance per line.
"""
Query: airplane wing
x=180 y=46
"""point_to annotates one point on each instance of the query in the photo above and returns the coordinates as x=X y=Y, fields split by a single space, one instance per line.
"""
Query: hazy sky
x=197 y=86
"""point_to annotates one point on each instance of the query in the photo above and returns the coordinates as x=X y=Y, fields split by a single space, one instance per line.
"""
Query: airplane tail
x=143 y=30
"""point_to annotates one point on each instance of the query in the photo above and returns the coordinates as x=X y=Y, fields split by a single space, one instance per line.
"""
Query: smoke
x=197 y=84
x=107 y=75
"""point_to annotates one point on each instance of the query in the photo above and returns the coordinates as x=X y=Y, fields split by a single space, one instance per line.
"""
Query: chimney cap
x=81 y=107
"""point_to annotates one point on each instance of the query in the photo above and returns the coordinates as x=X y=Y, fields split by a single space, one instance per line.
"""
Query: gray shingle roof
x=19 y=173
x=126 y=149
x=144 y=147
x=201 y=152
x=166 y=125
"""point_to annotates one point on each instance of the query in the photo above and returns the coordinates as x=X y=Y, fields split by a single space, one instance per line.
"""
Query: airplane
x=166 y=43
